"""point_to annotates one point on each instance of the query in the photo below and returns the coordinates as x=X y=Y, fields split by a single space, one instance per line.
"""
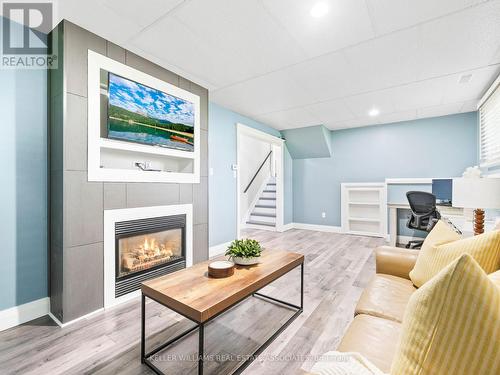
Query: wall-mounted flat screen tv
x=141 y=114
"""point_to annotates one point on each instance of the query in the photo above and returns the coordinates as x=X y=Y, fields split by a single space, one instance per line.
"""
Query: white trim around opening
x=277 y=147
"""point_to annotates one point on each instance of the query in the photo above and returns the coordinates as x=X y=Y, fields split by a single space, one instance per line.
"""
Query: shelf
x=364 y=209
x=145 y=149
x=364 y=219
x=132 y=175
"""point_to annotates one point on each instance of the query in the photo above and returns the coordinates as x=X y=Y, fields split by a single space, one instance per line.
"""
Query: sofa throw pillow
x=440 y=234
x=485 y=249
x=451 y=325
x=495 y=277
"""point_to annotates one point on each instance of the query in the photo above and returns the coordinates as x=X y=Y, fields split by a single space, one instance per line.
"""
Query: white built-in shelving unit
x=364 y=209
x=115 y=160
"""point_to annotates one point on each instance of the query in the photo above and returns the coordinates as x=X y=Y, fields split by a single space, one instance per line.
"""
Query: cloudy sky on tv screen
x=149 y=102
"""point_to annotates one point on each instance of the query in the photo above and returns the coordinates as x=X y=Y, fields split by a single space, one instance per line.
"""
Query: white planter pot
x=245 y=261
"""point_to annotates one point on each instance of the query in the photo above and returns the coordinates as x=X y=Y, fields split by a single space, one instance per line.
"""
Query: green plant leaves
x=245 y=248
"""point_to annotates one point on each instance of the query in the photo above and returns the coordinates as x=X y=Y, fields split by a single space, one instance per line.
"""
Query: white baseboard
x=17 y=315
x=218 y=249
x=285 y=227
x=62 y=325
x=316 y=227
x=319 y=228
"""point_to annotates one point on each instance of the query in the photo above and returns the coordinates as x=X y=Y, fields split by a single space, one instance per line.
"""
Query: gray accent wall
x=76 y=205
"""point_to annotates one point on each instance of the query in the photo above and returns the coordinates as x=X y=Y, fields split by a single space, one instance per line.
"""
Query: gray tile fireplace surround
x=76 y=205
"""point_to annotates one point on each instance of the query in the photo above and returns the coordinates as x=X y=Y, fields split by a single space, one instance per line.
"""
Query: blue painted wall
x=222 y=184
x=23 y=187
x=435 y=147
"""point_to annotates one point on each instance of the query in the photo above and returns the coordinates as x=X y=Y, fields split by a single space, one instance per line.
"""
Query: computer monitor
x=442 y=189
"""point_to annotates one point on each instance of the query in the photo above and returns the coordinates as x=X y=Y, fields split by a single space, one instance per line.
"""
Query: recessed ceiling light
x=374 y=112
x=319 y=10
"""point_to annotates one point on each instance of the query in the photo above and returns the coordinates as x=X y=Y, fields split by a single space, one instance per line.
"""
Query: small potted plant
x=244 y=252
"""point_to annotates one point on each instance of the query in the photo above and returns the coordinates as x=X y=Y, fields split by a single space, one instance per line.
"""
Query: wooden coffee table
x=199 y=298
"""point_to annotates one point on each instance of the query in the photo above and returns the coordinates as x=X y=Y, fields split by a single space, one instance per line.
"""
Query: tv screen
x=141 y=114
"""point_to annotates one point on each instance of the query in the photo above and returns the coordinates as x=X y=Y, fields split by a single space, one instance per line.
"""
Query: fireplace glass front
x=147 y=251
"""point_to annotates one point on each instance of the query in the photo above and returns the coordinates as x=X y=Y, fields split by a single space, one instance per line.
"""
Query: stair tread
x=267 y=199
x=264 y=206
x=262 y=214
x=269 y=191
x=257 y=222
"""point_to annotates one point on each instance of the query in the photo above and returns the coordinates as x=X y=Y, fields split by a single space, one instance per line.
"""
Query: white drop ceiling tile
x=94 y=16
x=439 y=110
x=332 y=111
x=269 y=93
x=289 y=119
x=386 y=61
x=136 y=11
x=247 y=28
x=469 y=106
x=496 y=57
x=346 y=23
x=182 y=48
x=465 y=40
x=353 y=123
x=480 y=81
x=326 y=77
x=169 y=66
x=419 y=94
x=391 y=15
x=382 y=100
x=399 y=116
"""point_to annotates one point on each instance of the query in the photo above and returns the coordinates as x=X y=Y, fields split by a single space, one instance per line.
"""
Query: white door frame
x=277 y=147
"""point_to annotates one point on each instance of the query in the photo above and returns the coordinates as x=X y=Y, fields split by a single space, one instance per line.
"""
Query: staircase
x=264 y=211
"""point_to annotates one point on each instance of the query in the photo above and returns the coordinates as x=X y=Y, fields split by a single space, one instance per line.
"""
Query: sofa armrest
x=395 y=260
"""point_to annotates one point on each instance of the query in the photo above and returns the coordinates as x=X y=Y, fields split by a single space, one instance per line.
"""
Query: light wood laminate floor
x=337 y=267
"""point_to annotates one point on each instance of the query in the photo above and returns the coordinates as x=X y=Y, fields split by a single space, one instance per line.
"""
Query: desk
x=454 y=214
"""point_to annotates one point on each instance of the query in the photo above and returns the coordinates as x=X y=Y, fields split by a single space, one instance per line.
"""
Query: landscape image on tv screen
x=141 y=114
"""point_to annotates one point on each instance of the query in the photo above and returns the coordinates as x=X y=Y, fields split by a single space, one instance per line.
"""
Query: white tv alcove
x=115 y=160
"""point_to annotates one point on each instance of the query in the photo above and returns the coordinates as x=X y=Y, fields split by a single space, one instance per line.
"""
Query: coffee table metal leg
x=302 y=286
x=201 y=343
x=143 y=328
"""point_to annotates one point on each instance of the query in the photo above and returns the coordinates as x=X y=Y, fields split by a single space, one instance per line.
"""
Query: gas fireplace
x=148 y=248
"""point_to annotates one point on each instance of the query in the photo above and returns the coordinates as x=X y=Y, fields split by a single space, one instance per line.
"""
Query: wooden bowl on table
x=220 y=268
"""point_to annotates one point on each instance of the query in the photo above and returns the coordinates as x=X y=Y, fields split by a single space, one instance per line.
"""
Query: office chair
x=423 y=214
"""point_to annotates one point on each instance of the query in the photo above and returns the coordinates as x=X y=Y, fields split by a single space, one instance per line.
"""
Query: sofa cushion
x=395 y=261
x=337 y=363
x=452 y=324
x=386 y=297
x=374 y=338
x=485 y=249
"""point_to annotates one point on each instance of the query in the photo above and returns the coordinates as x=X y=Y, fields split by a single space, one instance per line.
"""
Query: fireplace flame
x=147 y=253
